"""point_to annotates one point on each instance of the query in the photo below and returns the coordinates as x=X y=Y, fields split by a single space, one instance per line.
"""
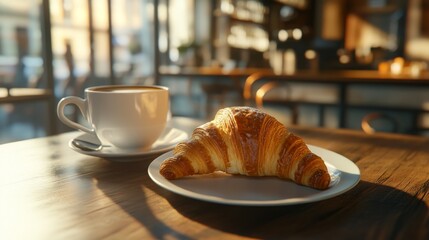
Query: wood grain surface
x=48 y=191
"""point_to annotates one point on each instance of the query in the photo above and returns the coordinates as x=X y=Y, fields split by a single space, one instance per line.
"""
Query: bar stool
x=371 y=123
x=285 y=101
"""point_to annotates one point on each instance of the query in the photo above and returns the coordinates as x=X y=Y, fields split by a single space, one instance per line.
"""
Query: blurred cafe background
x=205 y=50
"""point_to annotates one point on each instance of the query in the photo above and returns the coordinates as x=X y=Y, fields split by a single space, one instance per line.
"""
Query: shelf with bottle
x=241 y=25
x=237 y=19
x=245 y=37
x=252 y=12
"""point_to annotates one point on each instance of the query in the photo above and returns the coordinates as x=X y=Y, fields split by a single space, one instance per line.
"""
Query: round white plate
x=166 y=142
x=260 y=191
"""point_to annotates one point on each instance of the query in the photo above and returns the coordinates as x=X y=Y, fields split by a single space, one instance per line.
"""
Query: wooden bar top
x=211 y=72
x=13 y=95
x=323 y=76
x=48 y=191
x=350 y=76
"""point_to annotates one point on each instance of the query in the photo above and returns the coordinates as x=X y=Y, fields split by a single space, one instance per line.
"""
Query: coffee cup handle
x=81 y=104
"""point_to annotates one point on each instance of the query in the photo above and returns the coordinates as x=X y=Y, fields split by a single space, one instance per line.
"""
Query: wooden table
x=48 y=191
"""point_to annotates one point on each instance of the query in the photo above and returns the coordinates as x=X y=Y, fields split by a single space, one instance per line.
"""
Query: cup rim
x=95 y=89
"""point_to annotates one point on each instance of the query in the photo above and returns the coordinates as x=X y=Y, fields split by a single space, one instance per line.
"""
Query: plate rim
x=352 y=181
x=131 y=153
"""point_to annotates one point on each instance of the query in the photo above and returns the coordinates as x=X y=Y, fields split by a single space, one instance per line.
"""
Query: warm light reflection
x=3 y=92
x=310 y=54
x=174 y=54
x=162 y=12
x=226 y=7
x=344 y=59
x=297 y=34
x=100 y=17
x=399 y=66
x=283 y=35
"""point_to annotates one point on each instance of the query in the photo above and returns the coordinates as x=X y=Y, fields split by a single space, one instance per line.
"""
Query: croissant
x=246 y=141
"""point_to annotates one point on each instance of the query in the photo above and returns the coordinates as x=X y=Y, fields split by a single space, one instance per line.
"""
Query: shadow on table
x=123 y=184
x=367 y=211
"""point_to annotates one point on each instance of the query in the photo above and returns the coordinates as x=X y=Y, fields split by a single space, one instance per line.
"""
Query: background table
x=48 y=191
x=344 y=82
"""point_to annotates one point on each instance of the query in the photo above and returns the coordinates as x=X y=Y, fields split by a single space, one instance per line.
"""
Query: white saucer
x=168 y=140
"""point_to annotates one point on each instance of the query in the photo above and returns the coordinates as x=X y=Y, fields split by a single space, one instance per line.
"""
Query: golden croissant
x=246 y=141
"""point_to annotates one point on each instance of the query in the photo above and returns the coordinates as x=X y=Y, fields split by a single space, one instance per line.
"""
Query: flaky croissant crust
x=246 y=141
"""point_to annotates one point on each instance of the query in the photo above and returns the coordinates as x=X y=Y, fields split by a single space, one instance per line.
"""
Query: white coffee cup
x=126 y=117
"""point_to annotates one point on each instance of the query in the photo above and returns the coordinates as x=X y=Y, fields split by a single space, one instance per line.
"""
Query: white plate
x=260 y=191
x=168 y=140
